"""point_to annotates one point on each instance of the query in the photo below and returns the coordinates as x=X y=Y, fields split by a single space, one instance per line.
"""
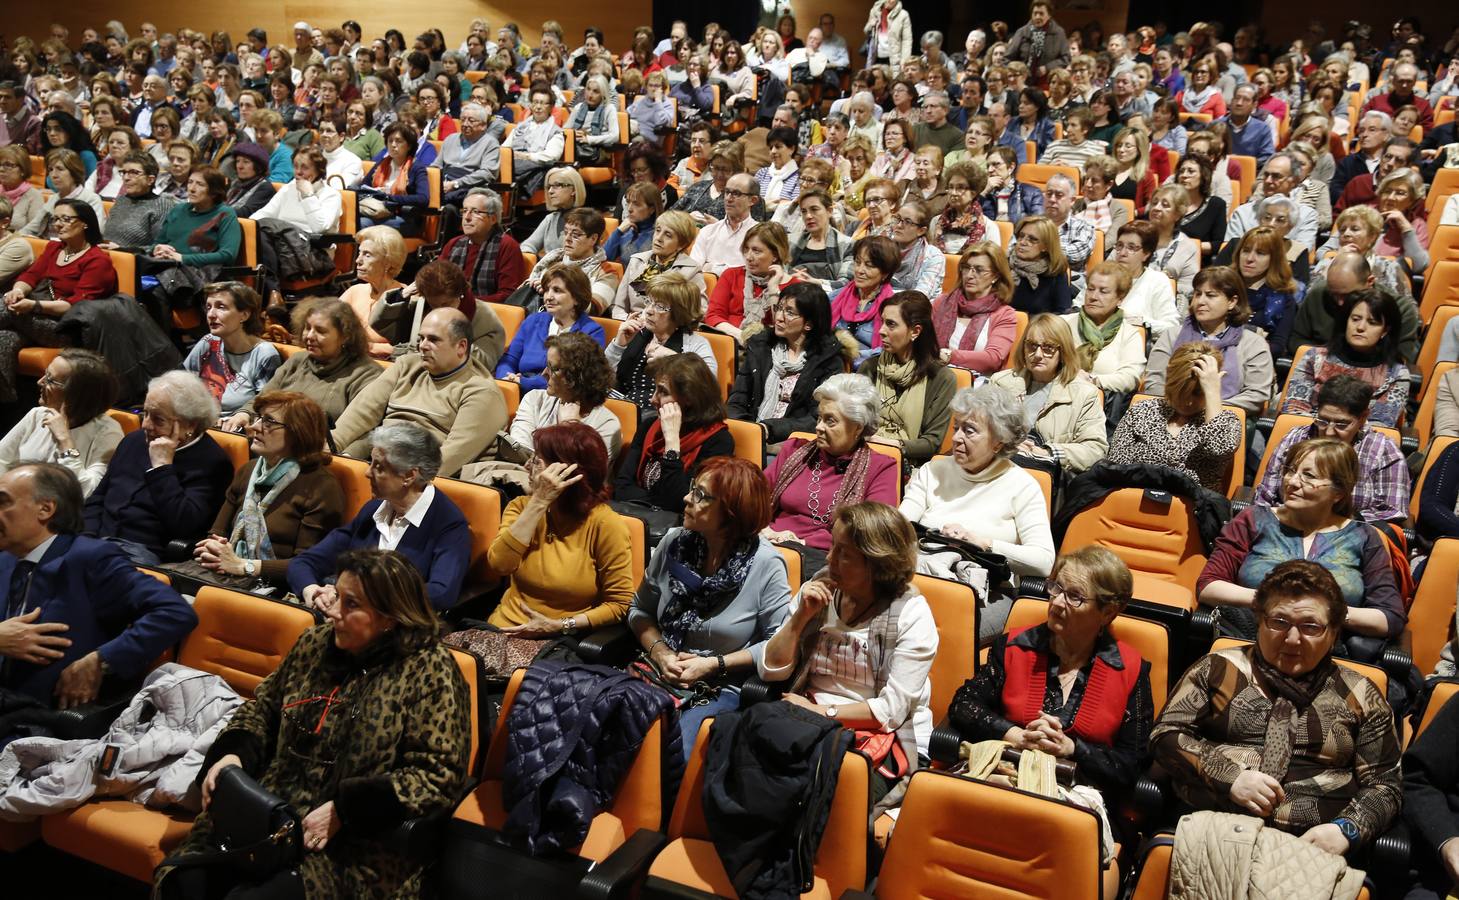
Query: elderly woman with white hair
x=594 y=121
x=979 y=496
x=1358 y=229
x=167 y=479
x=407 y=515
x=811 y=479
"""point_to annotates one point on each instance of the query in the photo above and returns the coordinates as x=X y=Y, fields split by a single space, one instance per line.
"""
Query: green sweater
x=182 y=221
x=365 y=144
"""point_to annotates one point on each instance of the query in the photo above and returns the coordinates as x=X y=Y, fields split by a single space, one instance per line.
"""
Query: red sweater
x=727 y=303
x=89 y=278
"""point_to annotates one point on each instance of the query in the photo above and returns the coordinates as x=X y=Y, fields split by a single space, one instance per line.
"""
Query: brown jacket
x=303 y=513
x=332 y=386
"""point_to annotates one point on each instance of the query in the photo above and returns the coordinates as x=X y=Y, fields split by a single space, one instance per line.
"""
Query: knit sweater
x=582 y=568
x=303 y=513
x=30 y=439
x=332 y=386
x=136 y=222
x=464 y=410
x=182 y=220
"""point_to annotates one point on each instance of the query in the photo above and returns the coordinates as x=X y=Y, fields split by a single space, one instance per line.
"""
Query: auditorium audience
x=657 y=467
x=913 y=385
x=975 y=325
x=233 y=359
x=1218 y=315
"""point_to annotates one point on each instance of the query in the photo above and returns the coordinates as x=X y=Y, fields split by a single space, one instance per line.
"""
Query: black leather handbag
x=255 y=833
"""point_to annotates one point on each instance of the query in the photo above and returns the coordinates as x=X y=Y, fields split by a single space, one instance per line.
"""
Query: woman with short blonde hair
x=1063 y=413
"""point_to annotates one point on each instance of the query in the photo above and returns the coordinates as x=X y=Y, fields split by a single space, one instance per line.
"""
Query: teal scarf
x=250 y=538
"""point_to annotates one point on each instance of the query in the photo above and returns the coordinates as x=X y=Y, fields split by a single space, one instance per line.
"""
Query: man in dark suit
x=76 y=609
x=167 y=479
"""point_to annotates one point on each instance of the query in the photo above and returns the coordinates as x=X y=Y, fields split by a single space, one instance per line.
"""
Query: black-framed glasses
x=788 y=311
x=268 y=423
x=1283 y=627
x=903 y=220
x=698 y=494
x=1074 y=598
x=731 y=192
x=64 y=220
x=49 y=380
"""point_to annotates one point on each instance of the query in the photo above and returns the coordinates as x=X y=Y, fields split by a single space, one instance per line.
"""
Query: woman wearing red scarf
x=975 y=325
x=657 y=466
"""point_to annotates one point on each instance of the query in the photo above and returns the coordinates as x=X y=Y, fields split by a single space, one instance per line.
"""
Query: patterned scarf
x=482 y=278
x=852 y=468
x=757 y=306
x=968 y=223
x=693 y=597
x=956 y=305
x=1028 y=269
x=1291 y=713
x=1097 y=213
x=1096 y=337
x=781 y=365
x=1192 y=101
x=1225 y=341
x=104 y=172
x=249 y=537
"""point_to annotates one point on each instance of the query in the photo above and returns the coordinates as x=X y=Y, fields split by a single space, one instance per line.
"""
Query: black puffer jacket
x=1212 y=510
x=823 y=359
x=572 y=733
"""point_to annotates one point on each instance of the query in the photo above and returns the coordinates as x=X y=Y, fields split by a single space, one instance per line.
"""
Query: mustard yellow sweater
x=586 y=571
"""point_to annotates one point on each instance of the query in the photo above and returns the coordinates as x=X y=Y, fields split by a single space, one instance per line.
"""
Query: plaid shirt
x=1382 y=491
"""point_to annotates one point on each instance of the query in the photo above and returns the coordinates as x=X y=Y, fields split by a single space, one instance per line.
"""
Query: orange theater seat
x=1158 y=541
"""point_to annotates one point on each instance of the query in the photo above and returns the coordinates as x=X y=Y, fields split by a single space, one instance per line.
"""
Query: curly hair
x=1299 y=578
x=585 y=368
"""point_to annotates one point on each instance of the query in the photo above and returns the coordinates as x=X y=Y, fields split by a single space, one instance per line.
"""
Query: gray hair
x=408 y=446
x=1068 y=182
x=1246 y=86
x=190 y=398
x=936 y=95
x=932 y=38
x=1408 y=176
x=1383 y=118
x=493 y=200
x=58 y=484
x=477 y=109
x=1267 y=203
x=602 y=84
x=998 y=408
x=855 y=396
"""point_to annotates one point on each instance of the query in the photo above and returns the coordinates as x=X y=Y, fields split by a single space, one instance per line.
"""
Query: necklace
x=69 y=256
x=813 y=497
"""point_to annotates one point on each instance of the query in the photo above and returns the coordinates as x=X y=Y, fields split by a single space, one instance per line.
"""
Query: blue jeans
x=691 y=717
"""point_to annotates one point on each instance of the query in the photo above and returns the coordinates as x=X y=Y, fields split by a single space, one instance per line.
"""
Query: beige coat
x=465 y=410
x=1072 y=421
x=1119 y=366
x=1225 y=856
x=1446 y=406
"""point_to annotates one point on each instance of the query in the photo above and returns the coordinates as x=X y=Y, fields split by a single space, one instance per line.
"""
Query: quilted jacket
x=1225 y=856
x=572 y=733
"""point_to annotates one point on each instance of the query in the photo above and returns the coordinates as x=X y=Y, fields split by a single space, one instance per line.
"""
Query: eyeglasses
x=63 y=220
x=731 y=192
x=1307 y=481
x=268 y=423
x=1336 y=424
x=660 y=308
x=572 y=235
x=1031 y=348
x=469 y=213
x=699 y=495
x=48 y=380
x=877 y=201
x=132 y=173
x=903 y=220
x=788 y=311
x=9 y=165
x=560 y=184
x=1283 y=627
x=1074 y=598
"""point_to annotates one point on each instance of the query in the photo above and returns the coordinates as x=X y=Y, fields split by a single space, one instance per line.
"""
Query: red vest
x=1026 y=675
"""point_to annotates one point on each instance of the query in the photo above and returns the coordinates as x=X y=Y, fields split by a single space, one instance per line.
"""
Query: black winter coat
x=822 y=361
x=1212 y=510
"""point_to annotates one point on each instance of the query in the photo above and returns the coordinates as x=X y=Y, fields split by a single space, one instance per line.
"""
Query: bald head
x=445 y=340
x=1349 y=271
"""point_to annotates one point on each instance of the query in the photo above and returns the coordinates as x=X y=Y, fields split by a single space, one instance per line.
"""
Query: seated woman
x=567 y=299
x=922 y=267
x=821 y=254
x=838 y=462
x=1335 y=781
x=714 y=591
x=1031 y=121
x=334 y=367
x=1151 y=299
x=281 y=503
x=689 y=430
x=382 y=622
x=978 y=495
x=914 y=387
x=744 y=295
x=70 y=270
x=1176 y=256
x=166 y=479
x=1405 y=227
x=895 y=161
x=201 y=232
x=566 y=555
x=396 y=191
x=1218 y=312
x=1063 y=414
x=66 y=176
x=309 y=203
x=927 y=186
x=233 y=359
x=1111 y=348
x=1004 y=197
x=1040 y=268
x=1430 y=785
x=858 y=643
x=672 y=237
x=104 y=181
x=594 y=122
x=856 y=309
x=564 y=191
x=1187 y=430
x=962 y=221
x=251 y=187
x=1271 y=291
x=1101 y=712
x=1313 y=522
x=1357 y=229
x=975 y=325
x=1134 y=179
x=379 y=258
x=137 y=213
x=1364 y=344
x=662 y=327
x=26 y=200
x=881 y=196
x=582 y=238
x=643 y=204
x=1440 y=486
x=70 y=426
x=407 y=515
x=578 y=381
x=781 y=365
x=1075 y=148
x=1205 y=219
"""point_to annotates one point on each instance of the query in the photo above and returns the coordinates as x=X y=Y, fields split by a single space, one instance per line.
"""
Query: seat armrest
x=856 y=895
x=1391 y=853
x=944 y=744
x=1033 y=587
x=89 y=721
x=612 y=645
x=757 y=691
x=177 y=551
x=624 y=867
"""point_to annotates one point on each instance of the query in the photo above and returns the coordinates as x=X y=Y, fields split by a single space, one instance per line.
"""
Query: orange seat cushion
x=483 y=806
x=695 y=863
x=117 y=834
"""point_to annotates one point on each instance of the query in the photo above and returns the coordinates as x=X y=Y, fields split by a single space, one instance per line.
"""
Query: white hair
x=190 y=398
x=855 y=396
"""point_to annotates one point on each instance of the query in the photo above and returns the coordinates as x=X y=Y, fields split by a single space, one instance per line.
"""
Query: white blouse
x=30 y=440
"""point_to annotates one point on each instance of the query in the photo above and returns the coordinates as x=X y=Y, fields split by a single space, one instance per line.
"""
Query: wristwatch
x=1349 y=828
x=671 y=455
x=73 y=453
x=249 y=568
x=831 y=712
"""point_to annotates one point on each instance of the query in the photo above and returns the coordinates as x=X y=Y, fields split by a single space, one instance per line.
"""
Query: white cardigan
x=31 y=440
x=1121 y=364
x=1008 y=509
x=318 y=214
x=1152 y=301
x=539 y=409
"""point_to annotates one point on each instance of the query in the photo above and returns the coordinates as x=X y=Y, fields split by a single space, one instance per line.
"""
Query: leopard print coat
x=385 y=735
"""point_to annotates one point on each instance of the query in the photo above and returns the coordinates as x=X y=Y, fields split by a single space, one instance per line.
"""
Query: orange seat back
x=1428 y=352
x=125 y=265
x=1155 y=539
x=470 y=668
x=793 y=573
x=1432 y=612
x=723 y=347
x=235 y=445
x=511 y=316
x=609 y=325
x=1441 y=288
x=1442 y=693
x=944 y=845
x=955 y=613
x=627 y=414
x=1038 y=174
x=1151 y=639
x=129 y=421
x=749 y=440
x=242 y=638
x=637 y=545
x=482 y=507
x=511 y=395
x=353 y=476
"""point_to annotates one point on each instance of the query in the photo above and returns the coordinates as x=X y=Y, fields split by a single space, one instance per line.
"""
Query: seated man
x=582 y=246
x=439 y=387
x=440 y=284
x=407 y=515
x=718 y=246
x=1251 y=133
x=76 y=609
x=1327 y=301
x=167 y=479
x=1400 y=94
x=1278 y=176
x=1279 y=730
x=468 y=158
x=1076 y=235
x=1382 y=491
x=490 y=257
x=1362 y=188
x=537 y=144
